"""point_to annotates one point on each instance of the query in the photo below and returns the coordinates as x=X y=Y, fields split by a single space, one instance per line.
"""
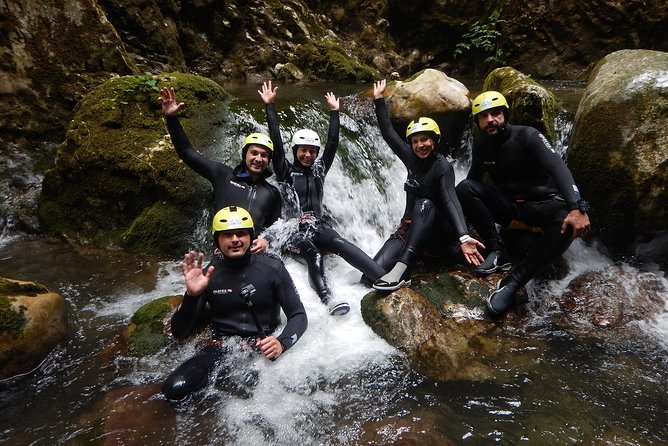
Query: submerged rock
x=32 y=323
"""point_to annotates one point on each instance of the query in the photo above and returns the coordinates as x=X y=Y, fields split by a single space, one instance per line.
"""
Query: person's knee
x=176 y=387
x=464 y=189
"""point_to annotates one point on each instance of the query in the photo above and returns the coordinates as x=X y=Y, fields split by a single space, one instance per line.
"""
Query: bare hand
x=379 y=89
x=168 y=100
x=579 y=221
x=259 y=246
x=270 y=347
x=470 y=250
x=267 y=93
x=196 y=280
x=332 y=101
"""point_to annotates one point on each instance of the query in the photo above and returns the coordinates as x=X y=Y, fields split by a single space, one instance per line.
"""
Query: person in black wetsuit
x=433 y=215
x=240 y=295
x=245 y=185
x=531 y=184
x=307 y=175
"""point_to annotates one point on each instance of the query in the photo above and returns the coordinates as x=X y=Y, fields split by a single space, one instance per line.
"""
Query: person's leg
x=425 y=216
x=388 y=254
x=328 y=239
x=484 y=206
x=191 y=375
x=549 y=216
x=304 y=246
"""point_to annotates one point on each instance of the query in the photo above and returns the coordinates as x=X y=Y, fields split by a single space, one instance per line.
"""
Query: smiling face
x=234 y=243
x=422 y=144
x=257 y=159
x=490 y=120
x=306 y=155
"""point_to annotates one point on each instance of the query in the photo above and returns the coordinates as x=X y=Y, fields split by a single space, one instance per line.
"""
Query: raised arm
x=333 y=132
x=268 y=93
x=184 y=149
x=392 y=138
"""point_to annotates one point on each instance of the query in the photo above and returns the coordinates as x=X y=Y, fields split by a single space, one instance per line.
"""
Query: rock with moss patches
x=117 y=180
x=530 y=103
x=329 y=61
x=436 y=347
x=619 y=151
x=147 y=332
x=32 y=323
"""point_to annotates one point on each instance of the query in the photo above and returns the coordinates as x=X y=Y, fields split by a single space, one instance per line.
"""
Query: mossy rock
x=530 y=103
x=117 y=164
x=146 y=332
x=32 y=323
x=326 y=60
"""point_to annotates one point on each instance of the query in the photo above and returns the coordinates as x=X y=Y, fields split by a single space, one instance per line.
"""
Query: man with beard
x=531 y=185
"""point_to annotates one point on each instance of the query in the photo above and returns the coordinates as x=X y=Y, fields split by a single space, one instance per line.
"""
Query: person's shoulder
x=269 y=260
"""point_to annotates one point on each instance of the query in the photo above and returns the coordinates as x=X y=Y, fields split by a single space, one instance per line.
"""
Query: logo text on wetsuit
x=223 y=291
x=240 y=186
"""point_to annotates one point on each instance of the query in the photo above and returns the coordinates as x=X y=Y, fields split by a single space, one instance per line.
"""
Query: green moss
x=14 y=288
x=326 y=60
x=443 y=288
x=148 y=335
x=12 y=321
x=161 y=229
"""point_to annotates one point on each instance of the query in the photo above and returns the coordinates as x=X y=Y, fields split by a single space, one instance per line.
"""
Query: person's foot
x=382 y=285
x=339 y=309
x=501 y=300
x=495 y=261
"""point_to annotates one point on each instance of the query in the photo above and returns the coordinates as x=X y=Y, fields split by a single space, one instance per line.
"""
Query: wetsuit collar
x=241 y=171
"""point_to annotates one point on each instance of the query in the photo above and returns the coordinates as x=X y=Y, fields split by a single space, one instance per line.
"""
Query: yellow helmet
x=487 y=100
x=260 y=139
x=232 y=218
x=423 y=124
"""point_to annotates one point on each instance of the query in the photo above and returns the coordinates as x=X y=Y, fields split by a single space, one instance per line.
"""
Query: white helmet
x=305 y=137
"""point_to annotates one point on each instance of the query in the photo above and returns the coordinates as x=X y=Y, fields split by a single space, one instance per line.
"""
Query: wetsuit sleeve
x=292 y=307
x=449 y=200
x=392 y=138
x=281 y=166
x=188 y=154
x=188 y=316
x=332 y=139
x=555 y=166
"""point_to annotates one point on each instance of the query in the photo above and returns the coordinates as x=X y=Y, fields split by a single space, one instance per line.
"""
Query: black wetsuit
x=433 y=215
x=316 y=236
x=532 y=185
x=223 y=305
x=231 y=187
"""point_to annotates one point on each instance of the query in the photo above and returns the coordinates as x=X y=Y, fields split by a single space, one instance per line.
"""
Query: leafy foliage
x=483 y=37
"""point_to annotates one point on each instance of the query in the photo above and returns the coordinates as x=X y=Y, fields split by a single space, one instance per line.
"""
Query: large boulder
x=530 y=103
x=32 y=322
x=431 y=93
x=117 y=180
x=619 y=150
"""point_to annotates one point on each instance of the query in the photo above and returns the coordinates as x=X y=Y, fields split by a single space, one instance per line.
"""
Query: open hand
x=168 y=100
x=196 y=279
x=267 y=93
